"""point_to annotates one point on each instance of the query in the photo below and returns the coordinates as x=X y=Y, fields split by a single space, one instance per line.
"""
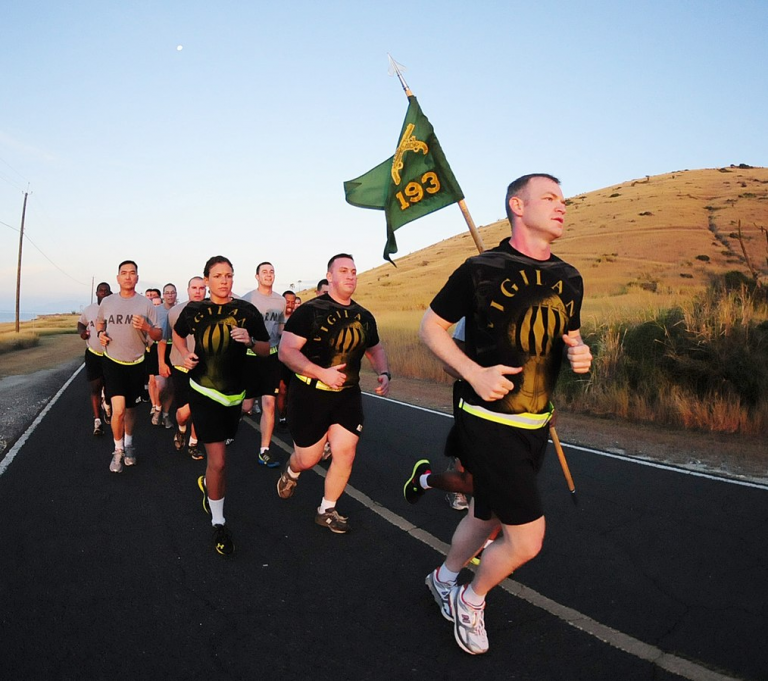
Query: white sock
x=128 y=440
x=119 y=446
x=263 y=449
x=471 y=598
x=165 y=414
x=423 y=481
x=96 y=422
x=325 y=505
x=292 y=473
x=192 y=441
x=447 y=576
x=217 y=511
x=183 y=429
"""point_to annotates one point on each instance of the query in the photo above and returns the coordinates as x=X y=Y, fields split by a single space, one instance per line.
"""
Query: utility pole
x=18 y=269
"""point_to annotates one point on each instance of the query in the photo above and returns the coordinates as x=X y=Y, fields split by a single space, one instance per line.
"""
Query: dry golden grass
x=31 y=331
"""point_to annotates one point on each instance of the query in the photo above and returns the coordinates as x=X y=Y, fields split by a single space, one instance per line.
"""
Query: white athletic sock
x=96 y=422
x=423 y=481
x=292 y=473
x=128 y=440
x=119 y=446
x=325 y=505
x=263 y=449
x=192 y=441
x=447 y=576
x=217 y=511
x=183 y=429
x=471 y=598
x=165 y=413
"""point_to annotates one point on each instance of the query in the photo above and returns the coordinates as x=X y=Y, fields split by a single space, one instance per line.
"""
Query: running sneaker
x=167 y=423
x=195 y=453
x=267 y=459
x=457 y=501
x=97 y=429
x=282 y=423
x=178 y=440
x=116 y=466
x=412 y=489
x=286 y=485
x=130 y=455
x=335 y=522
x=222 y=540
x=229 y=441
x=327 y=453
x=468 y=623
x=441 y=591
x=156 y=415
x=204 y=490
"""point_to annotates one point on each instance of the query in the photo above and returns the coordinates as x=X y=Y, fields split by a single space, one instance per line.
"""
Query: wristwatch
x=387 y=374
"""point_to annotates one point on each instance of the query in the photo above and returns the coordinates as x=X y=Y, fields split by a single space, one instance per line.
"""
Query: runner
x=264 y=372
x=323 y=343
x=285 y=372
x=522 y=306
x=180 y=374
x=162 y=397
x=322 y=287
x=223 y=328
x=126 y=322
x=94 y=372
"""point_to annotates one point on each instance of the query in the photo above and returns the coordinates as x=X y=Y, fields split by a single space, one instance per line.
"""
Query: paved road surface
x=105 y=576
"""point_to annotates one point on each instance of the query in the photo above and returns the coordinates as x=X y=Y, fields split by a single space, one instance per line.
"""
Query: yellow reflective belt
x=127 y=364
x=272 y=351
x=525 y=420
x=314 y=383
x=98 y=354
x=183 y=370
x=216 y=396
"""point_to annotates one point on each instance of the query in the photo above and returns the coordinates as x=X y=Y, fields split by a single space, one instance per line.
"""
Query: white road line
x=13 y=451
x=644 y=651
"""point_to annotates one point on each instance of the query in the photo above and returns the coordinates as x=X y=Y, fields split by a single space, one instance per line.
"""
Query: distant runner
x=94 y=372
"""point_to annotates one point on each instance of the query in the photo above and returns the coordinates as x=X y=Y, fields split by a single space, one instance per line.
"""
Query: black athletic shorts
x=452 y=442
x=504 y=462
x=262 y=375
x=181 y=387
x=311 y=412
x=151 y=360
x=213 y=421
x=126 y=380
x=93 y=369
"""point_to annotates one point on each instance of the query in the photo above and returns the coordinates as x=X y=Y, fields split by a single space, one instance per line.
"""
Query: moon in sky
x=179 y=48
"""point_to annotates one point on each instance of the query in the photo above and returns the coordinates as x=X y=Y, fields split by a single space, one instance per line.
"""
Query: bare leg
x=215 y=474
x=267 y=422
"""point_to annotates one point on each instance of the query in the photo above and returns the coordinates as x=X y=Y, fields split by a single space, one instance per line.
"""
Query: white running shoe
x=468 y=624
x=327 y=453
x=441 y=592
x=457 y=501
x=116 y=466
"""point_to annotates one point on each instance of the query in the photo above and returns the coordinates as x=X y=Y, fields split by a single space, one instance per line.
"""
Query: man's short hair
x=289 y=293
x=127 y=262
x=216 y=260
x=261 y=264
x=169 y=284
x=517 y=187
x=197 y=276
x=336 y=257
x=104 y=283
x=153 y=290
x=321 y=283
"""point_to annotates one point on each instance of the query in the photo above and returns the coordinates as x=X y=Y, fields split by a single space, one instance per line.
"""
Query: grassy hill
x=639 y=244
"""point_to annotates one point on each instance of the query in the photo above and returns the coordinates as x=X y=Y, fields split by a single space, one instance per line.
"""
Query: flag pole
x=395 y=67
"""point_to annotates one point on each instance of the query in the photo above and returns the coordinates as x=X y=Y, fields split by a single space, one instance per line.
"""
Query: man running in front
x=522 y=306
x=323 y=343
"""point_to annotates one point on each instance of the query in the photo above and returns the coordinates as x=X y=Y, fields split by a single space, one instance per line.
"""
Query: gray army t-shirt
x=127 y=344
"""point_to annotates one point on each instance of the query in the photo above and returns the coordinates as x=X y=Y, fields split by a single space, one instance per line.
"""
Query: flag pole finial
x=396 y=69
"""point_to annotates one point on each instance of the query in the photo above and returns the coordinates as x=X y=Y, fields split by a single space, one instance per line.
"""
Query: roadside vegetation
x=30 y=332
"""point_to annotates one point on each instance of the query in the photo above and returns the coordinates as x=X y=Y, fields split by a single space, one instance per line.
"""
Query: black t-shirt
x=335 y=333
x=222 y=359
x=517 y=310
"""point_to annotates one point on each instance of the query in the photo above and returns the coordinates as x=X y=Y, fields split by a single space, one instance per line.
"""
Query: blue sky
x=240 y=142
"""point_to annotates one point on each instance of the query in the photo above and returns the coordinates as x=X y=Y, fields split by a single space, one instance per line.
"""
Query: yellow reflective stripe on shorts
x=183 y=370
x=216 y=396
x=126 y=364
x=98 y=354
x=272 y=351
x=525 y=420
x=317 y=384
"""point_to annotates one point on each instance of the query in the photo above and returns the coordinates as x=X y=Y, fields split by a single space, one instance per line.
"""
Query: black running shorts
x=504 y=462
x=262 y=375
x=151 y=360
x=126 y=380
x=312 y=412
x=181 y=387
x=213 y=421
x=93 y=369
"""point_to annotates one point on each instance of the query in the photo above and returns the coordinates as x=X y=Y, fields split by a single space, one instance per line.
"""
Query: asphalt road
x=656 y=574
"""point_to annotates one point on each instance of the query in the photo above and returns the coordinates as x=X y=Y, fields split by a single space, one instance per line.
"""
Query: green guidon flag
x=414 y=182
